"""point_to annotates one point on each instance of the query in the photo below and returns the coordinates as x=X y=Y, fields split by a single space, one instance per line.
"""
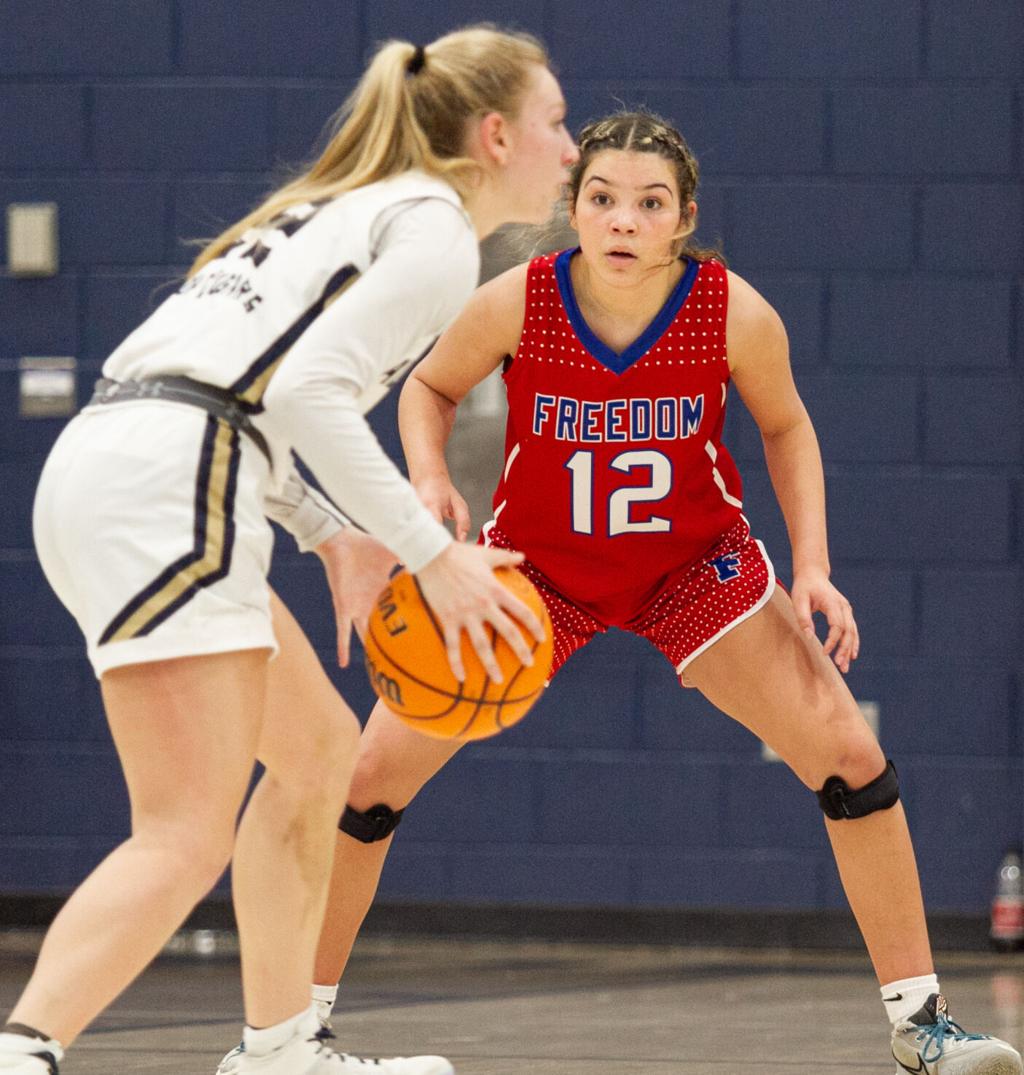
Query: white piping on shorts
x=762 y=601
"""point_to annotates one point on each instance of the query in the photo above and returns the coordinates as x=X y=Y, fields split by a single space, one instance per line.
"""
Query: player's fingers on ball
x=454 y=652
x=485 y=651
x=513 y=636
x=523 y=613
x=503 y=557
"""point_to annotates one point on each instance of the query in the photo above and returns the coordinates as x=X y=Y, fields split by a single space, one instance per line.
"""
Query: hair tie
x=416 y=61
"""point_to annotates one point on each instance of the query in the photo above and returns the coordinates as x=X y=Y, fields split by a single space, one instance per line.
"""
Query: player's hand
x=462 y=591
x=358 y=567
x=444 y=501
x=812 y=592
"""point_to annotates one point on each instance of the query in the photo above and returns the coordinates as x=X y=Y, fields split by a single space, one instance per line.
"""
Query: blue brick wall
x=862 y=165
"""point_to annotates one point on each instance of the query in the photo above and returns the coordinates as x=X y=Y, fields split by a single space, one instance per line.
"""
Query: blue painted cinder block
x=883 y=604
x=116 y=304
x=811 y=39
x=44 y=126
x=67 y=37
x=302 y=121
x=934 y=131
x=18 y=480
x=885 y=431
x=984 y=40
x=182 y=128
x=302 y=585
x=971 y=803
x=794 y=821
x=752 y=877
x=974 y=420
x=39 y=782
x=986 y=622
x=49 y=864
x=987 y=220
x=603 y=799
x=30 y=439
x=590 y=703
x=203 y=208
x=51 y=695
x=934 y=706
x=303 y=38
x=920 y=321
x=820 y=226
x=414 y=872
x=529 y=874
x=101 y=221
x=408 y=20
x=799 y=299
x=740 y=130
x=682 y=38
x=40 y=315
x=33 y=616
x=478 y=798
x=920 y=521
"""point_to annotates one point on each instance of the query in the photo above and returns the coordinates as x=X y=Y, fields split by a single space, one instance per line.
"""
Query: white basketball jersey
x=309 y=319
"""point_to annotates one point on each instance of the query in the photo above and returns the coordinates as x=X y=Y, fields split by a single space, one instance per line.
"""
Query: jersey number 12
x=581 y=466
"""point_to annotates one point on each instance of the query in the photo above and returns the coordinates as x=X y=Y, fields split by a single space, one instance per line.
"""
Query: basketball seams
x=473 y=709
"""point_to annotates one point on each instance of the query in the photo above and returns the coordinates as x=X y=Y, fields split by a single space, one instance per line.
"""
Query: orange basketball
x=408 y=665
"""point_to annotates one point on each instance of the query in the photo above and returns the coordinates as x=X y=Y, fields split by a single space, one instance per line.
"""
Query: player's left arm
x=759 y=366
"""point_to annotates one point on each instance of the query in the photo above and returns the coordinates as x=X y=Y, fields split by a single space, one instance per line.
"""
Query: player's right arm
x=486 y=332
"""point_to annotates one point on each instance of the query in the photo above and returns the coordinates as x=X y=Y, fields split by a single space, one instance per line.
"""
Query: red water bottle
x=1007 y=928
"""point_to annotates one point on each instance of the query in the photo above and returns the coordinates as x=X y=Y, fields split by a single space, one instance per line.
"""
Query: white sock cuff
x=326 y=994
x=907 y=995
x=267 y=1039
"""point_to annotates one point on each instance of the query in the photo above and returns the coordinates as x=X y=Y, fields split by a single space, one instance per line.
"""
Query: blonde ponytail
x=410 y=110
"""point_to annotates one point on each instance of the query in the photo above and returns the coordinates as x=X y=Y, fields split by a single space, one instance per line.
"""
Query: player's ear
x=494 y=135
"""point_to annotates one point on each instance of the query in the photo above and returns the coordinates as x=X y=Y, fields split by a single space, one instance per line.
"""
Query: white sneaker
x=20 y=1055
x=930 y=1043
x=308 y=1053
x=232 y=1062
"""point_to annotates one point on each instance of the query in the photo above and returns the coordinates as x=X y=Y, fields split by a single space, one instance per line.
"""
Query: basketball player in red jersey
x=618 y=358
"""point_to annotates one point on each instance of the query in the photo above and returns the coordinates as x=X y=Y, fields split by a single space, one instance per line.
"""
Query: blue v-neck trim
x=619 y=363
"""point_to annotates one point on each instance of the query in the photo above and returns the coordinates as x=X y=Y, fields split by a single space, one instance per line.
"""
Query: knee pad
x=377 y=823
x=840 y=802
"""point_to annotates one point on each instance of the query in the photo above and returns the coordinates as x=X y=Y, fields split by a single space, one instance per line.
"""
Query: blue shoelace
x=934 y=1036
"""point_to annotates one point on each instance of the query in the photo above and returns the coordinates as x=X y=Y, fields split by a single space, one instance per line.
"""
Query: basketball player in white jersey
x=150 y=525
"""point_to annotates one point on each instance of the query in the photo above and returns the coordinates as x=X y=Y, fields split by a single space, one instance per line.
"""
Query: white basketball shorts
x=149 y=526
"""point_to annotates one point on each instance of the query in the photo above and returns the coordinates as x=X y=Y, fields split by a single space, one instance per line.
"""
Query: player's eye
x=652 y=203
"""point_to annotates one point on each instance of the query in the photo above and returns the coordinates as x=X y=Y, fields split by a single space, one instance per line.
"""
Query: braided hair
x=645 y=132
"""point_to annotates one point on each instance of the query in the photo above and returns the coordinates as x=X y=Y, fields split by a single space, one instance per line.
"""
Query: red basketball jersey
x=615 y=476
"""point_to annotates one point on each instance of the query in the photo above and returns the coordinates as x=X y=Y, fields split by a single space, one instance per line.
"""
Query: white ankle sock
x=903 y=998
x=324 y=997
x=265 y=1041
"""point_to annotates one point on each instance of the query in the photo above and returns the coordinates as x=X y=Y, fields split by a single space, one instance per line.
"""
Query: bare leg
x=395 y=761
x=285 y=842
x=777 y=682
x=186 y=733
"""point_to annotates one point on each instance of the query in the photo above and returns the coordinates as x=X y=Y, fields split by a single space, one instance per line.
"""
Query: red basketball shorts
x=714 y=594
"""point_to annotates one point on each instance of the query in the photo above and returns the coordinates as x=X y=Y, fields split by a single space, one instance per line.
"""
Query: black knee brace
x=368 y=826
x=839 y=802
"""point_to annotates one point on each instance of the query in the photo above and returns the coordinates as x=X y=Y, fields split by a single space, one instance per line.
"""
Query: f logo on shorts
x=726 y=567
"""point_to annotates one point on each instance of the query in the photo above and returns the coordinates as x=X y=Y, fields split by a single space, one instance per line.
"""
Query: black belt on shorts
x=208 y=397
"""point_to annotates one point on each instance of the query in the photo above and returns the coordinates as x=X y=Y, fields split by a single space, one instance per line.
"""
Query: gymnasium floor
x=555 y=1009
